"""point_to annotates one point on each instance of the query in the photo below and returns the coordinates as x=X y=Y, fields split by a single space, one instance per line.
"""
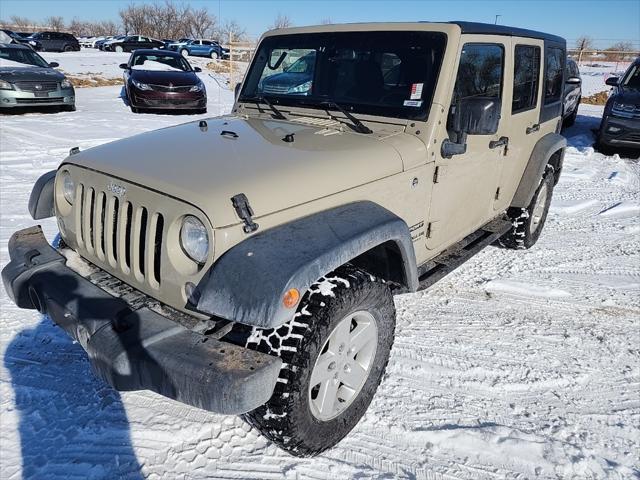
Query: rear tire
x=528 y=222
x=118 y=49
x=340 y=341
x=67 y=48
x=134 y=109
x=184 y=52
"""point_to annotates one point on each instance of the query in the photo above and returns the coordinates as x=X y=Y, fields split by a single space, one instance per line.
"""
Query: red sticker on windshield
x=416 y=91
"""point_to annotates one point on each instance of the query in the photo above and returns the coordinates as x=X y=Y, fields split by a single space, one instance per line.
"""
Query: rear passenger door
x=522 y=116
x=465 y=185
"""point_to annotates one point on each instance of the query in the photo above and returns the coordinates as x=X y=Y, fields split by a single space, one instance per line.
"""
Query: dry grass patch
x=599 y=98
x=223 y=66
x=88 y=82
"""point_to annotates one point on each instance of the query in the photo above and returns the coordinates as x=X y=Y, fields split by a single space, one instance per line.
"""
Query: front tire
x=528 y=222
x=184 y=52
x=67 y=48
x=334 y=352
x=213 y=55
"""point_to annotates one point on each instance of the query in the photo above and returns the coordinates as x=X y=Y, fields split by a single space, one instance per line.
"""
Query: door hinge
x=429 y=228
x=436 y=174
x=498 y=193
x=241 y=204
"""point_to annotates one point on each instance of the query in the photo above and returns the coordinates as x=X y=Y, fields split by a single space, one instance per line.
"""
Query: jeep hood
x=207 y=166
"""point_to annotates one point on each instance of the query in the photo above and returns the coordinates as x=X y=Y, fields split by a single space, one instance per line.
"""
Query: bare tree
x=231 y=30
x=55 y=23
x=583 y=43
x=202 y=23
x=282 y=21
x=22 y=23
x=134 y=19
x=618 y=51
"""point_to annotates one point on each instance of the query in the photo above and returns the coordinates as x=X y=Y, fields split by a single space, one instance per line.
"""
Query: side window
x=480 y=71
x=478 y=87
x=525 y=78
x=554 y=67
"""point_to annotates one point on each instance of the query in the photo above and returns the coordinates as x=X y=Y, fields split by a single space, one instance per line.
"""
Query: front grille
x=40 y=100
x=127 y=236
x=37 y=86
x=277 y=89
x=628 y=111
x=631 y=137
x=167 y=89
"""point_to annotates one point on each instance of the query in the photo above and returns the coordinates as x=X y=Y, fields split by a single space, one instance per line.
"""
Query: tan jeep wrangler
x=247 y=264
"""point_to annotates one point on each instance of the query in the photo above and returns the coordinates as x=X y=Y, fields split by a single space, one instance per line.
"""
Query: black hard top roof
x=491 y=29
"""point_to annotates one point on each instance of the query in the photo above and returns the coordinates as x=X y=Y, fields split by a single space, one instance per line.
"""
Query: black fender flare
x=542 y=152
x=41 y=202
x=247 y=284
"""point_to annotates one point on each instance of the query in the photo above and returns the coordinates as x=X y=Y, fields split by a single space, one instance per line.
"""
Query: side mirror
x=124 y=66
x=573 y=81
x=197 y=69
x=612 y=81
x=236 y=90
x=471 y=116
x=54 y=64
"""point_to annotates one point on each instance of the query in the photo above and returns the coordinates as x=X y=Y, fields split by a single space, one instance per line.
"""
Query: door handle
x=502 y=141
x=533 y=128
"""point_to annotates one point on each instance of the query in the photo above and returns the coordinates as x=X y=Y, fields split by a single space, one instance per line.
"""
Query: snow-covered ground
x=517 y=365
x=594 y=74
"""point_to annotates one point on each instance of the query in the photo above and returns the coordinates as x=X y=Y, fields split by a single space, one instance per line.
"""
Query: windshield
x=377 y=73
x=632 y=78
x=20 y=57
x=160 y=62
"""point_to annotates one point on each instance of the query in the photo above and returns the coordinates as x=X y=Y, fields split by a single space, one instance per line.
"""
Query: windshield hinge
x=241 y=204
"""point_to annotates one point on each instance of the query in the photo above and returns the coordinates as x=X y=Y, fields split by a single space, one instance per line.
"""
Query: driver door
x=465 y=185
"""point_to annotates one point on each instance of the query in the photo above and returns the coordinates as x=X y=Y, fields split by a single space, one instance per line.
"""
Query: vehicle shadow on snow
x=71 y=424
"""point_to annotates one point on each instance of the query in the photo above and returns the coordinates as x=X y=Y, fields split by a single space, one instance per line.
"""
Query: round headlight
x=194 y=239
x=68 y=187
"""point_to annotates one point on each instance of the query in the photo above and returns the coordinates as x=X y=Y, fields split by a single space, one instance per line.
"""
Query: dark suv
x=620 y=126
x=56 y=41
x=572 y=93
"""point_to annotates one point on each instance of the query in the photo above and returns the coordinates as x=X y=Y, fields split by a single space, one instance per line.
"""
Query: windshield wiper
x=358 y=126
x=261 y=99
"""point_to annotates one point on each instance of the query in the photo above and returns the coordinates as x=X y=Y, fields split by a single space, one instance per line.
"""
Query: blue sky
x=606 y=21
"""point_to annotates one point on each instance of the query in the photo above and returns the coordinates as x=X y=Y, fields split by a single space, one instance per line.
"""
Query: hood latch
x=241 y=203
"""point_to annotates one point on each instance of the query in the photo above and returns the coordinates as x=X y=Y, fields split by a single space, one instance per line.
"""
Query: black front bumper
x=620 y=132
x=136 y=349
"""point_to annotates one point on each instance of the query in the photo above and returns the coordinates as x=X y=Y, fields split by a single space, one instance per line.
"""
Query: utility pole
x=496 y=22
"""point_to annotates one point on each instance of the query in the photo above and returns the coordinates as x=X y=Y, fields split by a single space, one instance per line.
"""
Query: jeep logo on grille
x=117 y=190
x=38 y=87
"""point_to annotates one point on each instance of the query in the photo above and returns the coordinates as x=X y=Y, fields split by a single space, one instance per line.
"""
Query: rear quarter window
x=554 y=67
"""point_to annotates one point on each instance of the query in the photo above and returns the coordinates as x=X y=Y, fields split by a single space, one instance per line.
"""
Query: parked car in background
x=572 y=93
x=201 y=48
x=175 y=44
x=16 y=38
x=163 y=80
x=27 y=80
x=25 y=34
x=100 y=45
x=133 y=42
x=620 y=125
x=56 y=41
x=294 y=79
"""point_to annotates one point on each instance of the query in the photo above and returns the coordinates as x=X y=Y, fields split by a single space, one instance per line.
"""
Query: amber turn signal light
x=291 y=298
